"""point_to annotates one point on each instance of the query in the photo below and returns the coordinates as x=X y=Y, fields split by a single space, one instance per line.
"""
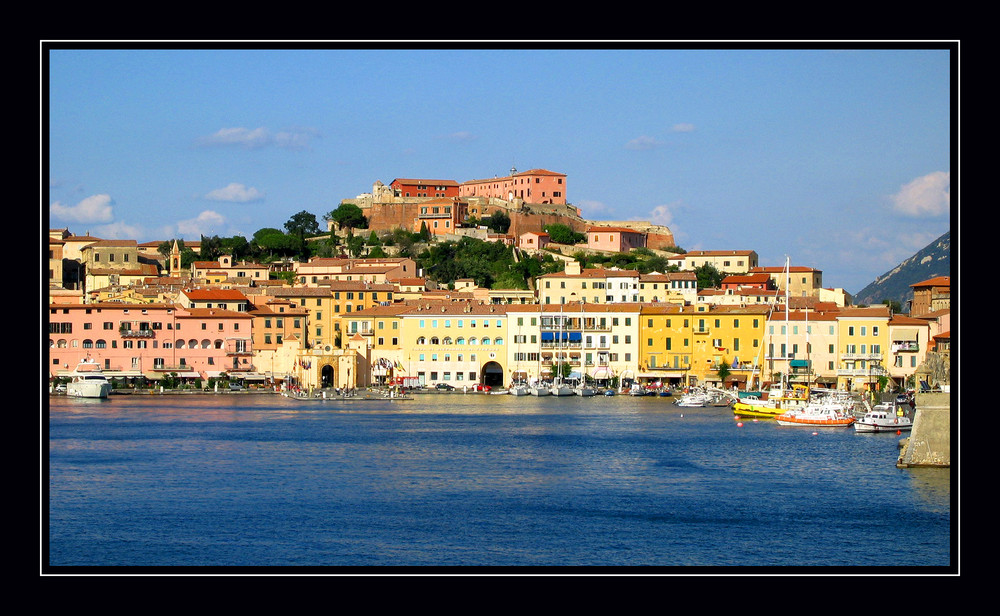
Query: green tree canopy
x=348 y=216
x=562 y=234
x=498 y=221
x=302 y=224
x=708 y=276
x=274 y=243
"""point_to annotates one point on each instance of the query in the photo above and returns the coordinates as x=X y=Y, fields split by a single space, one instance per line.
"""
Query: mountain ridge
x=932 y=260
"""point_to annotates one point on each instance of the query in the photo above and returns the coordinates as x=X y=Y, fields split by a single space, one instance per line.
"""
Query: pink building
x=614 y=239
x=533 y=186
x=150 y=340
x=533 y=240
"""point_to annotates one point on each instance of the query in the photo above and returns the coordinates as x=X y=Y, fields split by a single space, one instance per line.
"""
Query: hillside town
x=151 y=322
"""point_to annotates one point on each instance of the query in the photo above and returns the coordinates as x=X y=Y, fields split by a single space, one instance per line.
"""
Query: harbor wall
x=929 y=443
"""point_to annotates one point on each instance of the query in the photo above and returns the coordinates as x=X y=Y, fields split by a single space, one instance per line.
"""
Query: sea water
x=452 y=480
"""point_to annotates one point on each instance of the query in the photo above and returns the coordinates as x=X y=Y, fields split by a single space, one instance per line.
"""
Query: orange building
x=441 y=215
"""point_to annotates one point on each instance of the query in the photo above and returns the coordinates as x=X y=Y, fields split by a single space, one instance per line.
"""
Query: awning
x=602 y=372
x=122 y=374
x=562 y=336
x=905 y=335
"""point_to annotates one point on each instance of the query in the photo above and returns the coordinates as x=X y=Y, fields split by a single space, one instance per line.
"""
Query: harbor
x=478 y=481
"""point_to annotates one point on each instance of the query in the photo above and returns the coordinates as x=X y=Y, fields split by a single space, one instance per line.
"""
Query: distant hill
x=933 y=260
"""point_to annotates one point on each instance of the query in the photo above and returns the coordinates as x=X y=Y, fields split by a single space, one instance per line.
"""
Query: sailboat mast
x=788 y=361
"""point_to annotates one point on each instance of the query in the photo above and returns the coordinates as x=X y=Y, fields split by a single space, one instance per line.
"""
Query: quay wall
x=929 y=443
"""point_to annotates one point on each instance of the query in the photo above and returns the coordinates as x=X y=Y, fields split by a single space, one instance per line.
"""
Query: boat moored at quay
x=88 y=381
x=818 y=415
x=884 y=419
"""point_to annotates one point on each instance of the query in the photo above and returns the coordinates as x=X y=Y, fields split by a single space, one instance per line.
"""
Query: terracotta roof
x=613 y=230
x=423 y=181
x=214 y=294
x=939 y=281
x=715 y=253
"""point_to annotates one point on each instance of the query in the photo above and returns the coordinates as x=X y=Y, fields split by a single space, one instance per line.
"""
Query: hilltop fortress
x=532 y=200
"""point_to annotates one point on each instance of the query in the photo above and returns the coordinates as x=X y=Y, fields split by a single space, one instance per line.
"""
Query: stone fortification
x=929 y=443
x=386 y=211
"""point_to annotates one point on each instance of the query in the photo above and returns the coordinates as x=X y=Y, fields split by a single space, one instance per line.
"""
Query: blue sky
x=839 y=158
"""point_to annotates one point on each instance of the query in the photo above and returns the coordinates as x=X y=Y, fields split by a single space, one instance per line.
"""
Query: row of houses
x=359 y=322
x=275 y=338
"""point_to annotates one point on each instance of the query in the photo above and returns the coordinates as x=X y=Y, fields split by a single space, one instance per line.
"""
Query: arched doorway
x=327 y=376
x=493 y=374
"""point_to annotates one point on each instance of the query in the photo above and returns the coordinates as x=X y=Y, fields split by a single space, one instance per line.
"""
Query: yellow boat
x=778 y=401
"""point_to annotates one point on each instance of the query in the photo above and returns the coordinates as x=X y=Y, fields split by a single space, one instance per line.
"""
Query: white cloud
x=203 y=224
x=118 y=231
x=683 y=127
x=92 y=209
x=642 y=143
x=260 y=137
x=925 y=196
x=589 y=208
x=664 y=214
x=235 y=193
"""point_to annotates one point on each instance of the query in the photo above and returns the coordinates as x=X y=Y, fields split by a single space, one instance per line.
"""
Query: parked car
x=235 y=387
x=444 y=387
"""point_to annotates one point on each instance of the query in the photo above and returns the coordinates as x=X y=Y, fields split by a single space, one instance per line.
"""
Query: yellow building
x=461 y=344
x=377 y=334
x=686 y=346
x=327 y=303
x=863 y=345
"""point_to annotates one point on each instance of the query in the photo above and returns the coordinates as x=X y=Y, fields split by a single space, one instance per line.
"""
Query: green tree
x=562 y=234
x=498 y=221
x=302 y=224
x=723 y=371
x=273 y=243
x=708 y=276
x=348 y=216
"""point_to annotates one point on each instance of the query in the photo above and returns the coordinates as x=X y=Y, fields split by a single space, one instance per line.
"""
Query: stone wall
x=929 y=443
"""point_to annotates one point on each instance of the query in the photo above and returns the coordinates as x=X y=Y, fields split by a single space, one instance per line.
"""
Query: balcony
x=136 y=333
x=861 y=356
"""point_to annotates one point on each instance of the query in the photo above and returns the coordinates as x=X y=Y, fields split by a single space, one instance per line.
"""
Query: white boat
x=816 y=416
x=519 y=389
x=539 y=389
x=582 y=389
x=559 y=388
x=88 y=381
x=694 y=399
x=882 y=420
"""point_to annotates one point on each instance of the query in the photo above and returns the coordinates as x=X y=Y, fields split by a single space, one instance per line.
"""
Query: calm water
x=452 y=480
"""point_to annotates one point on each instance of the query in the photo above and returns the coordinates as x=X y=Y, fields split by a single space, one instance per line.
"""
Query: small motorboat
x=883 y=420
